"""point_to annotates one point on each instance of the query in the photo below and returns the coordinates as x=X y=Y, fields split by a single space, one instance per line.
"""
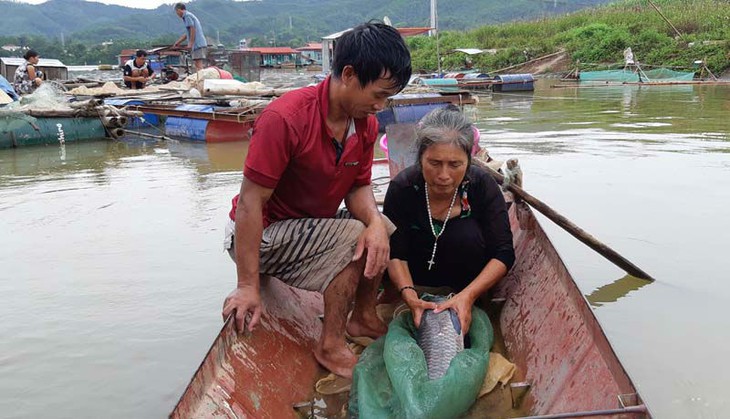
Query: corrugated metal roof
x=43 y=62
x=272 y=50
x=312 y=46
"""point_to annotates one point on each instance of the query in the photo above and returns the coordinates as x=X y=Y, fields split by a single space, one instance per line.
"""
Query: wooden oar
x=568 y=226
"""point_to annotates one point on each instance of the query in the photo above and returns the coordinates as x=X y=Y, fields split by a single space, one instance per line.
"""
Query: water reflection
x=631 y=120
x=615 y=290
x=113 y=271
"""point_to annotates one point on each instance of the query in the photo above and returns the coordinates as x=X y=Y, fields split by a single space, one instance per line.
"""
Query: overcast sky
x=140 y=4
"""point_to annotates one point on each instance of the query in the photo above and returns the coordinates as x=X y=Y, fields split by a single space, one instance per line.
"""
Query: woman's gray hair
x=444 y=126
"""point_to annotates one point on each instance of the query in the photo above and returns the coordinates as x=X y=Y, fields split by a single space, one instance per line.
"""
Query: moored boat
x=27 y=130
x=565 y=364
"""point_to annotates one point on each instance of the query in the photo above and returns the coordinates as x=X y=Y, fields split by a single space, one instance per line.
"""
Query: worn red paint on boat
x=226 y=131
x=549 y=331
x=262 y=375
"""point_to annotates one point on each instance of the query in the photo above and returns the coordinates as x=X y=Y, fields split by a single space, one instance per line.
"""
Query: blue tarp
x=6 y=87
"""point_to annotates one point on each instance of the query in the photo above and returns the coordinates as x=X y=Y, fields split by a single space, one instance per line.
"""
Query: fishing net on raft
x=48 y=96
x=627 y=75
x=391 y=377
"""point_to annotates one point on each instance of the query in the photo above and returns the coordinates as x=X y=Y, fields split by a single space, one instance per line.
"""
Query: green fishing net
x=391 y=378
x=626 y=75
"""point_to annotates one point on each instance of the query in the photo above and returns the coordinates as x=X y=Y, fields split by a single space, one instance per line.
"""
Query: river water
x=112 y=271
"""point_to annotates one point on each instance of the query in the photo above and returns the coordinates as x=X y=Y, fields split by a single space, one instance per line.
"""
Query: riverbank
x=594 y=38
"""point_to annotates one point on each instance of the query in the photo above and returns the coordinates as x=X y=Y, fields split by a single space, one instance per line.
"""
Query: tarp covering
x=391 y=377
x=6 y=87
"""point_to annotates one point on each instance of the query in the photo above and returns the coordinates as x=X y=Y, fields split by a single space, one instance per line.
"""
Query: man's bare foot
x=339 y=360
x=366 y=325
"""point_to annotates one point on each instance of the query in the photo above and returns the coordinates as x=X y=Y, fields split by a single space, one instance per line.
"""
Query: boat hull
x=551 y=333
x=262 y=375
x=29 y=131
x=547 y=327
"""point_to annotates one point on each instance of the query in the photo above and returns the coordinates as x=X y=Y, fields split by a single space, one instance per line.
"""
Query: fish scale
x=440 y=338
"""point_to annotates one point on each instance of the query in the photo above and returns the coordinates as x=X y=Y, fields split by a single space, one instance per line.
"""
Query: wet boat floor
x=495 y=405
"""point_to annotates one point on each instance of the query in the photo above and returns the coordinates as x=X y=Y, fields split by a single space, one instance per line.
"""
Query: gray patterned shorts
x=307 y=253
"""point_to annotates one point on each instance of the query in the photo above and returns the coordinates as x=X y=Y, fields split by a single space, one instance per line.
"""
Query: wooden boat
x=543 y=324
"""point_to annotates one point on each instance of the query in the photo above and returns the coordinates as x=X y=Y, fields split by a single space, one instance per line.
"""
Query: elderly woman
x=27 y=78
x=451 y=219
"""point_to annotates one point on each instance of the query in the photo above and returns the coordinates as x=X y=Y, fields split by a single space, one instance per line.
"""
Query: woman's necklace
x=433 y=229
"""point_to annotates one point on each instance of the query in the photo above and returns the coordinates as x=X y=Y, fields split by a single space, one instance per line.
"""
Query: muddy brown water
x=112 y=270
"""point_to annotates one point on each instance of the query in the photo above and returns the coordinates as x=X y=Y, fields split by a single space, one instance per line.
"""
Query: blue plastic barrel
x=513 y=83
x=407 y=113
x=385 y=118
x=150 y=118
x=414 y=113
x=188 y=128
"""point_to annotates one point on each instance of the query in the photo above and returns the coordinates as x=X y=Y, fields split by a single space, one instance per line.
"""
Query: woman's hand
x=417 y=305
x=462 y=304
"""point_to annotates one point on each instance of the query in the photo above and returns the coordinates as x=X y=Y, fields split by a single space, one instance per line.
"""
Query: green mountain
x=267 y=21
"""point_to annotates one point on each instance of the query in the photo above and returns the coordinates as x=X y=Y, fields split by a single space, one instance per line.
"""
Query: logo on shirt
x=352 y=163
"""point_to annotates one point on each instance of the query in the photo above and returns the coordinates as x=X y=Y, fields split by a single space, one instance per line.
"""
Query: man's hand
x=462 y=304
x=377 y=243
x=246 y=303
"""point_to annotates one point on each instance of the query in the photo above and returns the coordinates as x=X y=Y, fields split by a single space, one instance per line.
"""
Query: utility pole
x=435 y=32
x=434 y=18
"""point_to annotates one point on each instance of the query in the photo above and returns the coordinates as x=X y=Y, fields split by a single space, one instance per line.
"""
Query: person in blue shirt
x=197 y=44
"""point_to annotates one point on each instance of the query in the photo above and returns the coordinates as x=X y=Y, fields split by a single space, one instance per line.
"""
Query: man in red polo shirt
x=310 y=150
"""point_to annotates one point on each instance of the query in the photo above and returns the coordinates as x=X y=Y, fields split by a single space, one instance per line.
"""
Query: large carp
x=440 y=338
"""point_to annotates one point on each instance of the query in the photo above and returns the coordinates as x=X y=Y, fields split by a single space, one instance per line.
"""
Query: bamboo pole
x=567 y=225
x=679 y=34
x=146 y=135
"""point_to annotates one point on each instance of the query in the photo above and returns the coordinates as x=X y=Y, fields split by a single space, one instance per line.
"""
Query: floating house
x=53 y=69
x=277 y=56
x=311 y=53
